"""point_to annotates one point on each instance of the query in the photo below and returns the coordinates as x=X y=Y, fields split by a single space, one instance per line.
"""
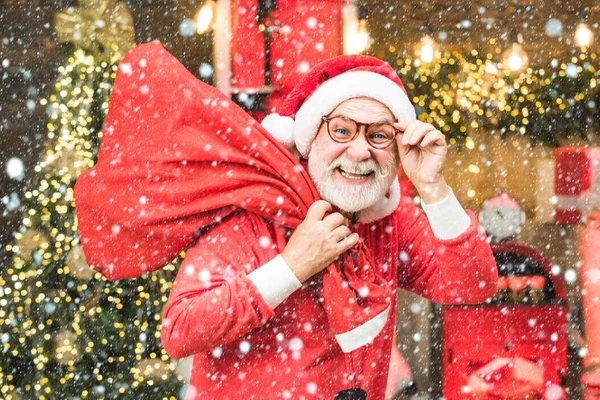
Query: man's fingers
x=401 y=125
x=419 y=133
x=341 y=232
x=317 y=210
x=410 y=128
x=334 y=220
x=414 y=133
x=433 y=137
x=346 y=243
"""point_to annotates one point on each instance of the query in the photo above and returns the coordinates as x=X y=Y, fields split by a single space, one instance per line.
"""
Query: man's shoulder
x=406 y=208
x=240 y=229
x=238 y=221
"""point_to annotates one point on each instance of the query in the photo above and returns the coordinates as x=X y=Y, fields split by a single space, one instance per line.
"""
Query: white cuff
x=364 y=334
x=275 y=281
x=447 y=217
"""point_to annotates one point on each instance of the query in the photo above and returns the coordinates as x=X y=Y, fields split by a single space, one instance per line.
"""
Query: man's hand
x=423 y=150
x=317 y=241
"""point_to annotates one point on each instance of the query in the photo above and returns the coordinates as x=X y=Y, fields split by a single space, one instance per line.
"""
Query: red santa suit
x=271 y=340
x=180 y=164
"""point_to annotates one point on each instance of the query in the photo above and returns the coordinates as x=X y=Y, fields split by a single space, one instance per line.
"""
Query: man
x=261 y=332
x=288 y=288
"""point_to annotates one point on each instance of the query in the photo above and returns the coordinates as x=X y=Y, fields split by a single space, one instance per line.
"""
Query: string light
x=465 y=93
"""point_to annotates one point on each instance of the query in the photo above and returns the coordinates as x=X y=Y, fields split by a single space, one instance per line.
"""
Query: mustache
x=363 y=167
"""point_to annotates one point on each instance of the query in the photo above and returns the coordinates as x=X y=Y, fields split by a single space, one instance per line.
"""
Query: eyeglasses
x=343 y=130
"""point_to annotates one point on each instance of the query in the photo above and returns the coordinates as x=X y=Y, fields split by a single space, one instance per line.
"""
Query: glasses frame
x=326 y=119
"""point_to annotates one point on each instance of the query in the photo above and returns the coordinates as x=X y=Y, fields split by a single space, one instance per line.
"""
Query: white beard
x=350 y=197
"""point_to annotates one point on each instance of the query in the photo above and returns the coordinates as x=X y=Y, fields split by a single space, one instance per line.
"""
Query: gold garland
x=102 y=27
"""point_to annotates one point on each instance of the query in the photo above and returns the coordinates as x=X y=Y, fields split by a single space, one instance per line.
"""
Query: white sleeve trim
x=184 y=368
x=364 y=334
x=447 y=217
x=275 y=281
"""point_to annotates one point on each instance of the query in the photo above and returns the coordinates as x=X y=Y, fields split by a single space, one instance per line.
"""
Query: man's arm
x=445 y=258
x=227 y=285
x=230 y=281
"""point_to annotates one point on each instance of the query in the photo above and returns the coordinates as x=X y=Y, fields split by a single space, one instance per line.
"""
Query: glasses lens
x=341 y=129
x=381 y=135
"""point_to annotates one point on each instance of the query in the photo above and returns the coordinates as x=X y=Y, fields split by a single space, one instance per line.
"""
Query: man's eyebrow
x=339 y=116
x=383 y=120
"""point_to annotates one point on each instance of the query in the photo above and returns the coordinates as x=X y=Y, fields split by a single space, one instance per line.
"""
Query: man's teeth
x=353 y=175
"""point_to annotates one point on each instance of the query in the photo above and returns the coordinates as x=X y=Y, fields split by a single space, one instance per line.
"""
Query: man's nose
x=359 y=149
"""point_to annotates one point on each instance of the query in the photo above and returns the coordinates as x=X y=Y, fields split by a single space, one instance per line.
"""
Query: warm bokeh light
x=204 y=17
x=466 y=93
x=427 y=49
x=583 y=36
x=361 y=38
x=515 y=58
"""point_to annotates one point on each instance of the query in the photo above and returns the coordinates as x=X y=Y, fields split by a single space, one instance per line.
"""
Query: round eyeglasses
x=343 y=130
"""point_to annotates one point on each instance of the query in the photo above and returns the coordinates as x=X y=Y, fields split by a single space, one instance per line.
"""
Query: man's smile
x=356 y=176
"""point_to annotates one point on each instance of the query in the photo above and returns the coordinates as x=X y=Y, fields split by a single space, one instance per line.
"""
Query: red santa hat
x=326 y=86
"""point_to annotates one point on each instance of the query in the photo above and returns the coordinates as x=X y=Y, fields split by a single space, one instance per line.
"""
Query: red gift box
x=576 y=183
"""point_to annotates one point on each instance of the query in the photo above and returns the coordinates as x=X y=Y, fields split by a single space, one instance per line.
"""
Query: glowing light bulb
x=427 y=49
x=583 y=36
x=361 y=38
x=427 y=54
x=515 y=63
x=515 y=58
x=205 y=16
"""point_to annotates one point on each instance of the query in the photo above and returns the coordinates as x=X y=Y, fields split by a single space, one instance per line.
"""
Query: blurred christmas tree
x=65 y=331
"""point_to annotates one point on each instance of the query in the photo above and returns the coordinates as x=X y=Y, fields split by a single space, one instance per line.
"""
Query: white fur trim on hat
x=281 y=128
x=341 y=88
x=384 y=207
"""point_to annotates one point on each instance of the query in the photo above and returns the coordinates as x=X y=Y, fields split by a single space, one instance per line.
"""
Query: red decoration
x=517 y=283
x=536 y=282
x=247 y=48
x=495 y=343
x=299 y=35
x=577 y=183
x=310 y=32
x=590 y=282
x=591 y=381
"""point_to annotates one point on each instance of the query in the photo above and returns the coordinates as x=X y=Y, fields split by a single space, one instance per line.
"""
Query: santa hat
x=326 y=86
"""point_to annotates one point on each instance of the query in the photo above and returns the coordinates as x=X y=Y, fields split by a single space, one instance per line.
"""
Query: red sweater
x=243 y=349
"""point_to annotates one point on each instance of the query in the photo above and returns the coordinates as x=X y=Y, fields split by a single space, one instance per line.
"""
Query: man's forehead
x=363 y=107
